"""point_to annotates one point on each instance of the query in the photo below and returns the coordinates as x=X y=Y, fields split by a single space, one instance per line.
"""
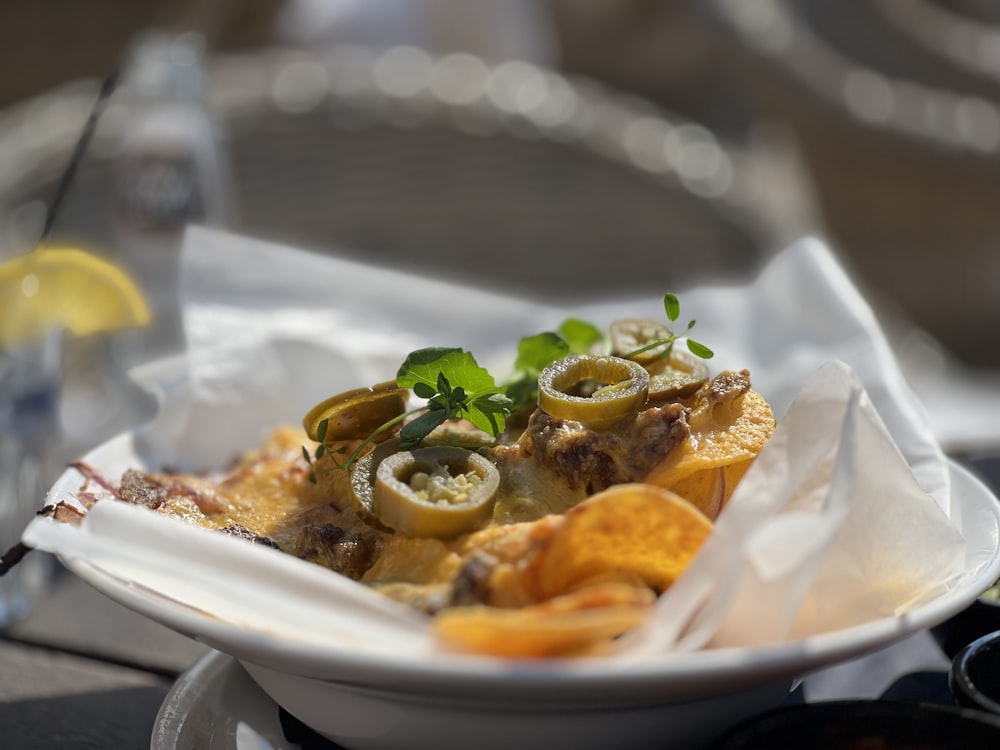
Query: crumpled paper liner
x=828 y=529
x=843 y=518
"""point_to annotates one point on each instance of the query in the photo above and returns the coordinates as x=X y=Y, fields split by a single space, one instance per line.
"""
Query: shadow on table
x=77 y=619
x=108 y=719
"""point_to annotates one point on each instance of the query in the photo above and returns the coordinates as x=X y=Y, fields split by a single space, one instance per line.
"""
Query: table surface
x=84 y=672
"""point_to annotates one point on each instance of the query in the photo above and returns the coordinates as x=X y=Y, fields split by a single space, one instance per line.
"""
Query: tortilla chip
x=413 y=560
x=700 y=489
x=564 y=625
x=509 y=546
x=723 y=434
x=629 y=529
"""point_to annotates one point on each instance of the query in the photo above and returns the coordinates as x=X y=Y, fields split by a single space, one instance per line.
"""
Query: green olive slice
x=356 y=414
x=678 y=376
x=435 y=492
x=631 y=334
x=597 y=391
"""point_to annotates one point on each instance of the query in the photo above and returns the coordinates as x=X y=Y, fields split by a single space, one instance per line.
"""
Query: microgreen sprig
x=323 y=450
x=453 y=386
x=672 y=307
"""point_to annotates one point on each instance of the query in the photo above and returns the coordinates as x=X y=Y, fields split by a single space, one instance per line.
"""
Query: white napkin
x=827 y=530
x=273 y=330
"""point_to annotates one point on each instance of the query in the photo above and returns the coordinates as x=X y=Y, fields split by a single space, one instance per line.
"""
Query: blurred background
x=548 y=147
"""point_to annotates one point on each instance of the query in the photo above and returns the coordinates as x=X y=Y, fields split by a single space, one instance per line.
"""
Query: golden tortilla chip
x=629 y=529
x=413 y=560
x=728 y=429
x=508 y=542
x=710 y=489
x=419 y=570
x=508 y=546
x=567 y=624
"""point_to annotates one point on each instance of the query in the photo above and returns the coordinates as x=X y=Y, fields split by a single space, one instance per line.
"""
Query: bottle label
x=159 y=191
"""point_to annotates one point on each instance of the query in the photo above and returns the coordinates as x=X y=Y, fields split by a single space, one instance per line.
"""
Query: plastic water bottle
x=169 y=175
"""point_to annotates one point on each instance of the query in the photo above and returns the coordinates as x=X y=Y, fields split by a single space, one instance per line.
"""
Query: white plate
x=216 y=705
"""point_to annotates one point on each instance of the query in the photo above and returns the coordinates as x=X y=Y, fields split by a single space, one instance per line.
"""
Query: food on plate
x=541 y=517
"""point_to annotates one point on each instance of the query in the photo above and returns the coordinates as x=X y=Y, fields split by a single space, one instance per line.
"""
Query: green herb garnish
x=580 y=335
x=535 y=353
x=672 y=306
x=455 y=387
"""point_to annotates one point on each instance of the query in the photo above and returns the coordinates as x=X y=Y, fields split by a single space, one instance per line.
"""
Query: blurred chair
x=901 y=136
x=963 y=33
x=504 y=174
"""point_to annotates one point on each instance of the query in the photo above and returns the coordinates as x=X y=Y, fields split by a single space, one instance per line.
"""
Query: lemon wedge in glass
x=66 y=288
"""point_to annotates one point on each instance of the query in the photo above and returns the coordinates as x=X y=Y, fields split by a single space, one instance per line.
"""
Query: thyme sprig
x=672 y=307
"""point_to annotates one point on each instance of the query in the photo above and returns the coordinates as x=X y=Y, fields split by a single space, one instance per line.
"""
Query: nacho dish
x=537 y=518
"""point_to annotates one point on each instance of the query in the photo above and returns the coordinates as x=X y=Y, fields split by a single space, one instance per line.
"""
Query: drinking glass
x=29 y=432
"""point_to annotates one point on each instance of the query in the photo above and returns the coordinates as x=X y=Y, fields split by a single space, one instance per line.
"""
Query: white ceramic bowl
x=435 y=716
x=365 y=699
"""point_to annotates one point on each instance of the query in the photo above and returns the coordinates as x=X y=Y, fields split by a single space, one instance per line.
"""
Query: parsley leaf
x=534 y=354
x=455 y=387
x=580 y=335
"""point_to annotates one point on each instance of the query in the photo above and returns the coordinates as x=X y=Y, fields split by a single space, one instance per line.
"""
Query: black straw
x=107 y=86
x=12 y=557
